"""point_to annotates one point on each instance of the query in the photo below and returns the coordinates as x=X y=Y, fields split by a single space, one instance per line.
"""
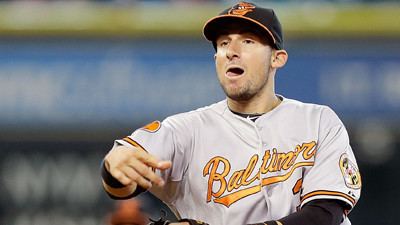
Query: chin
x=237 y=92
x=240 y=96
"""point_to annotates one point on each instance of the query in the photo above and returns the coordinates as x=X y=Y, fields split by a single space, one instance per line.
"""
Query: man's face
x=242 y=62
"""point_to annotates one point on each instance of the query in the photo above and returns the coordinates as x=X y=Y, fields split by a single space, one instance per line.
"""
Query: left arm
x=316 y=212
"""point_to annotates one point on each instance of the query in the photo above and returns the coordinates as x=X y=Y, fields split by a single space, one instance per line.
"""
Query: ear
x=279 y=58
x=215 y=56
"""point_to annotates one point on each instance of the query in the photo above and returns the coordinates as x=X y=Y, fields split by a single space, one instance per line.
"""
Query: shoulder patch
x=152 y=127
x=350 y=172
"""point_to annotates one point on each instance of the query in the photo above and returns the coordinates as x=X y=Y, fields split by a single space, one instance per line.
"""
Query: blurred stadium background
x=75 y=75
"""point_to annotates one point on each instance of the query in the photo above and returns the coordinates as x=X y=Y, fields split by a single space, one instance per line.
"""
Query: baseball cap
x=263 y=19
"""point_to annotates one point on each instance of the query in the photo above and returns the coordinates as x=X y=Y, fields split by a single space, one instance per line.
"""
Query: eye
x=248 y=41
x=223 y=43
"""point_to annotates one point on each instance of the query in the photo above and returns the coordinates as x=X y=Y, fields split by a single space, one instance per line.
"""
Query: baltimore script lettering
x=272 y=161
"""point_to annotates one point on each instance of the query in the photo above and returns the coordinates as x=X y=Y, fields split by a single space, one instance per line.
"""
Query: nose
x=233 y=50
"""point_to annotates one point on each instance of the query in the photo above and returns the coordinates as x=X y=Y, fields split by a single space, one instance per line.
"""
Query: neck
x=254 y=106
x=261 y=103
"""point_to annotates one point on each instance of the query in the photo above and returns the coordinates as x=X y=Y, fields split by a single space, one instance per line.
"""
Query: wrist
x=108 y=178
x=120 y=193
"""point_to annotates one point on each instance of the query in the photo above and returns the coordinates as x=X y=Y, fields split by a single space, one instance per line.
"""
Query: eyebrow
x=251 y=33
x=241 y=31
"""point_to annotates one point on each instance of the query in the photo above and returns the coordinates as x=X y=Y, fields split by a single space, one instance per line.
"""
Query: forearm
x=317 y=212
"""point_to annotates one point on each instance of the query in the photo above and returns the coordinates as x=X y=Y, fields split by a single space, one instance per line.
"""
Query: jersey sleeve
x=167 y=140
x=335 y=174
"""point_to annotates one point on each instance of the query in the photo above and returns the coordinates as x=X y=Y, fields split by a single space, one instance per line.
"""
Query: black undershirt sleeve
x=316 y=212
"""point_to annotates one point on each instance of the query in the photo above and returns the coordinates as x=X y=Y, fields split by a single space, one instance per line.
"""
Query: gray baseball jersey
x=227 y=169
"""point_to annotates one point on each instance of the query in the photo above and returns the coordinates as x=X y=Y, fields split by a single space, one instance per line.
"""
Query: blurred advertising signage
x=115 y=82
x=43 y=185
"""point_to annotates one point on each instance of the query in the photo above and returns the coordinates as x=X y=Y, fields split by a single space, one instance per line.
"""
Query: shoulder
x=195 y=116
x=319 y=112
x=297 y=105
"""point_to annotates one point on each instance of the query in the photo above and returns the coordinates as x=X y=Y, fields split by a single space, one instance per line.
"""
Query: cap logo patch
x=350 y=172
x=242 y=9
x=152 y=127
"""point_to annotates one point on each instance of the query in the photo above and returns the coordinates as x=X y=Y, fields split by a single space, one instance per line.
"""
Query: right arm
x=130 y=167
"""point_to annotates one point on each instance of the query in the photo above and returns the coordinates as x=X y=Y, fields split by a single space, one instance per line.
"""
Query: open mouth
x=234 y=71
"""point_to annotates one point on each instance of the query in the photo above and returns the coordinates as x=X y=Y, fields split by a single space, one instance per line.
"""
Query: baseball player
x=255 y=157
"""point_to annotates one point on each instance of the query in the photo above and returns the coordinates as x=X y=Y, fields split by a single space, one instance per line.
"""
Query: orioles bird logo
x=241 y=9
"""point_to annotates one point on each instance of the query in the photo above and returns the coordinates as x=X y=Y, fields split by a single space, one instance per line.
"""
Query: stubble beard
x=245 y=92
